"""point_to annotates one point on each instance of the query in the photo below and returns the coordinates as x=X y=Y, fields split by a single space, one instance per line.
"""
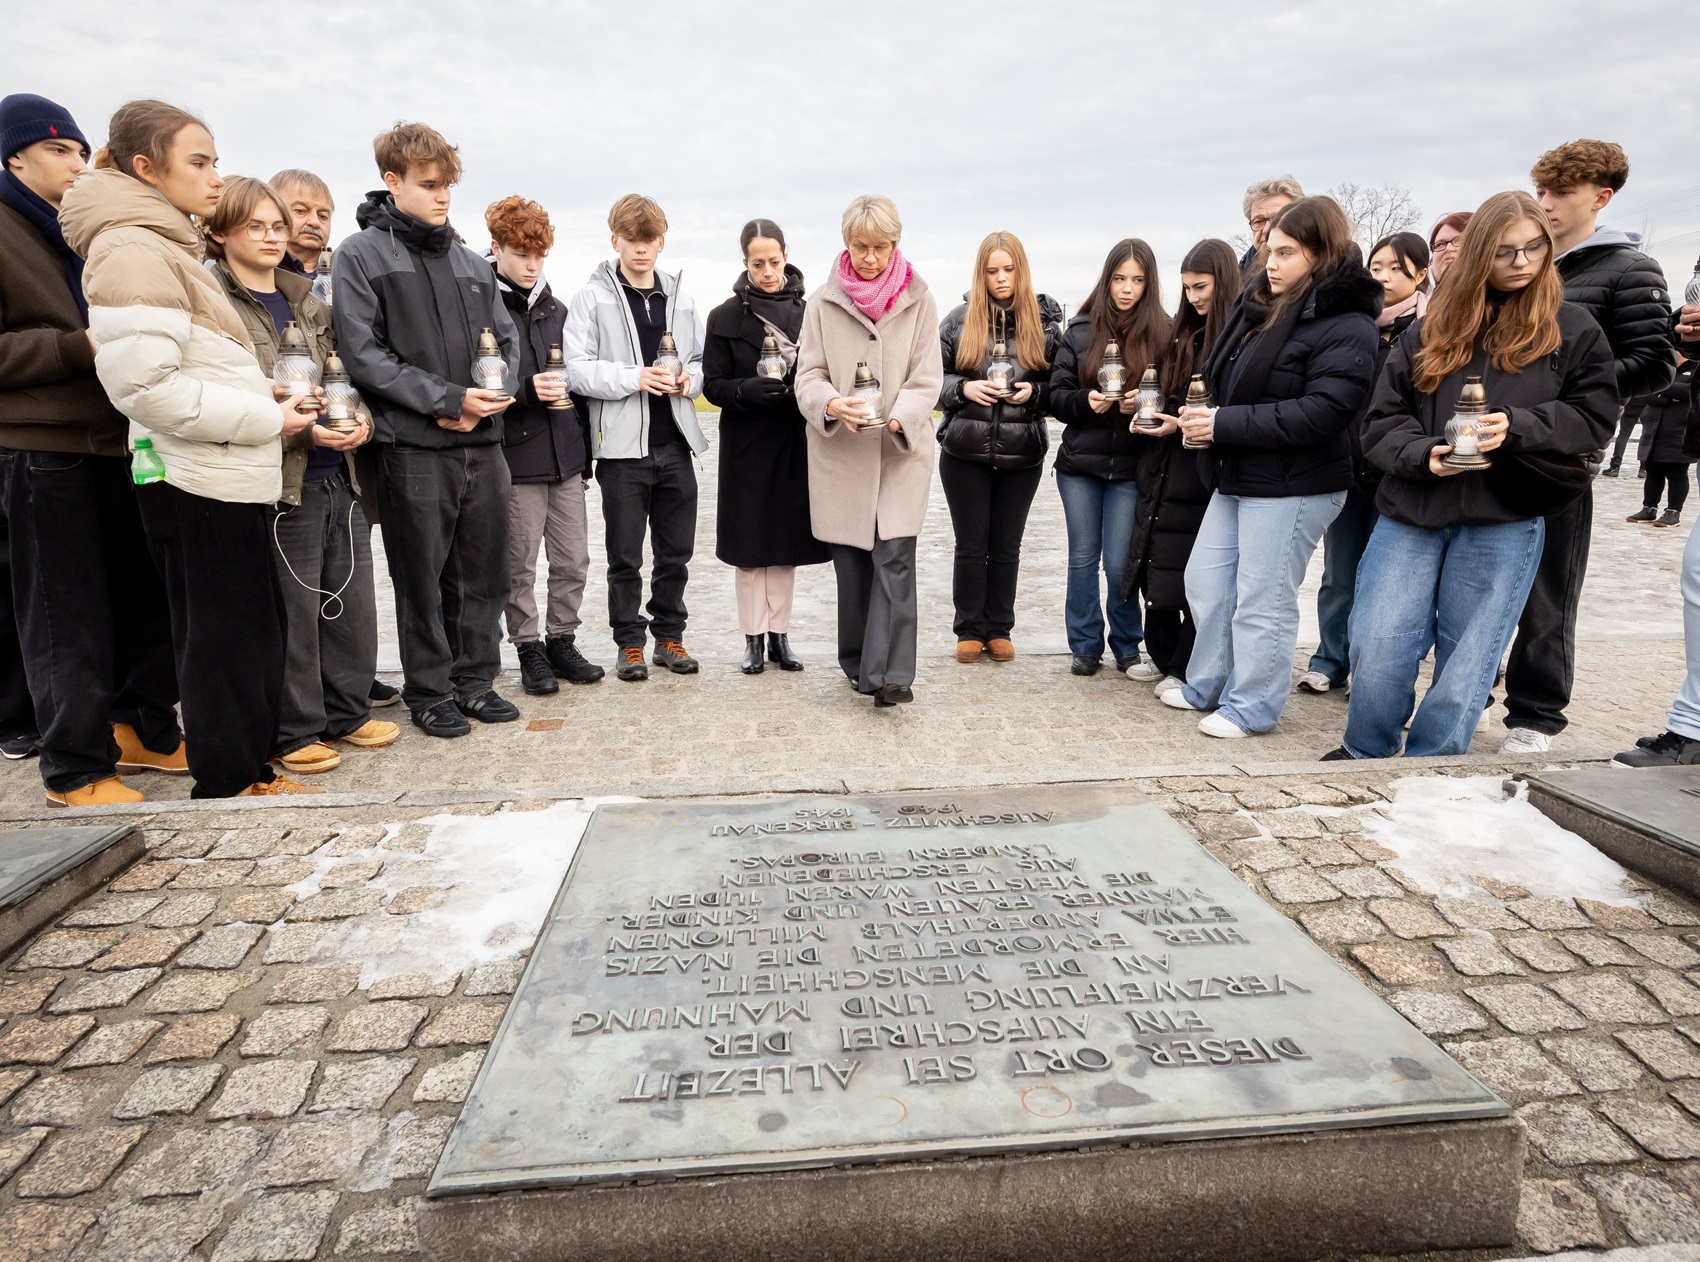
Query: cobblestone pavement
x=198 y=1062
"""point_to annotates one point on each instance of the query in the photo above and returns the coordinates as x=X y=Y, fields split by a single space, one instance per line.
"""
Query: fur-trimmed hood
x=1349 y=287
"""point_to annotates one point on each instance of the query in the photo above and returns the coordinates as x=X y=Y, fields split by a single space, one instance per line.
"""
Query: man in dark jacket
x=91 y=608
x=546 y=440
x=411 y=302
x=1605 y=273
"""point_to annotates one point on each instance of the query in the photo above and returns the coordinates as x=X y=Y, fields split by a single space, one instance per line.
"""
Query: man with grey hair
x=308 y=200
x=1263 y=201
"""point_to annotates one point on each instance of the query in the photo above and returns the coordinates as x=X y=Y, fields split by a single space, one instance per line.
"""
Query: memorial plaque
x=45 y=870
x=1646 y=818
x=830 y=981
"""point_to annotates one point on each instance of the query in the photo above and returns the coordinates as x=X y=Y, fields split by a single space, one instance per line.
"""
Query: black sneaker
x=1610 y=471
x=1084 y=665
x=489 y=707
x=568 y=663
x=1338 y=754
x=381 y=694
x=630 y=666
x=672 y=655
x=535 y=674
x=25 y=746
x=442 y=719
x=1645 y=513
x=1668 y=750
x=1670 y=517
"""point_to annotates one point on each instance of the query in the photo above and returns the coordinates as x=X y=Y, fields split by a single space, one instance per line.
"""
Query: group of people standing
x=281 y=400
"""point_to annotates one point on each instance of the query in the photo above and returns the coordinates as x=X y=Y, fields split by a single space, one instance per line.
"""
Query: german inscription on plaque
x=820 y=981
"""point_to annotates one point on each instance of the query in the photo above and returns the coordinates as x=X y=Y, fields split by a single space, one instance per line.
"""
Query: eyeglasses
x=258 y=231
x=1451 y=243
x=1262 y=221
x=1535 y=251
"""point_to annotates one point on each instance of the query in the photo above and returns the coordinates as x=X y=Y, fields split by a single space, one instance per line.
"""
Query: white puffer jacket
x=169 y=348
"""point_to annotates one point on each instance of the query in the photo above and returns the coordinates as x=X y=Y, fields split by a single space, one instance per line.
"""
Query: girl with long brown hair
x=1287 y=374
x=1172 y=495
x=1098 y=459
x=175 y=358
x=992 y=441
x=1454 y=553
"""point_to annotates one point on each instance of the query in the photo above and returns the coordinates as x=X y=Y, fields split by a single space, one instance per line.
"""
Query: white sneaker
x=1169 y=684
x=1175 y=698
x=1314 y=681
x=1144 y=671
x=1486 y=721
x=1525 y=740
x=1226 y=729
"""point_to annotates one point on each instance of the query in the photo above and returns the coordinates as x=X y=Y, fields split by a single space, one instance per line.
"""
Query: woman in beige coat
x=871 y=465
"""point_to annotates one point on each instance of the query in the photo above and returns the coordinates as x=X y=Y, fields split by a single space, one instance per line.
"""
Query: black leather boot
x=752 y=663
x=534 y=673
x=779 y=650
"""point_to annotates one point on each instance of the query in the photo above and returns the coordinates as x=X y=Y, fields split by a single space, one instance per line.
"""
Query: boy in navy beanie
x=91 y=612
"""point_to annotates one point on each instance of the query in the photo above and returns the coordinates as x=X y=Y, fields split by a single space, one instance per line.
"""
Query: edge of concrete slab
x=67 y=888
x=1640 y=849
x=1397 y=1189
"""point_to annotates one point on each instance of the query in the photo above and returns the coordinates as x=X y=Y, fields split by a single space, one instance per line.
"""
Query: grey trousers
x=550 y=514
x=445 y=517
x=331 y=648
x=876 y=612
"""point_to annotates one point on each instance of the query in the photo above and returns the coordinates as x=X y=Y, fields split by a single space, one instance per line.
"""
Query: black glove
x=755 y=392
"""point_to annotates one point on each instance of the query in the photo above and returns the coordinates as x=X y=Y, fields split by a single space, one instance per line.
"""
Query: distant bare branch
x=1376 y=212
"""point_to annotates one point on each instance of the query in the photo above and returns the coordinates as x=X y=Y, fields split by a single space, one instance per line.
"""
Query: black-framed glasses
x=1451 y=243
x=1535 y=251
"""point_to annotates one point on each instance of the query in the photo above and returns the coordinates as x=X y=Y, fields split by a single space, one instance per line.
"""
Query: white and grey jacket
x=604 y=363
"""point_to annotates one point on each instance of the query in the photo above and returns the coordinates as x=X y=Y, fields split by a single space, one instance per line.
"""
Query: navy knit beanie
x=25 y=119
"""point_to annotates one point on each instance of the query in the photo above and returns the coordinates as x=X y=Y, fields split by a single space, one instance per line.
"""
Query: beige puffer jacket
x=169 y=349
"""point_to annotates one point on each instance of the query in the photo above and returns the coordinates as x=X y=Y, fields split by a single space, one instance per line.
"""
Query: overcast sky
x=1070 y=124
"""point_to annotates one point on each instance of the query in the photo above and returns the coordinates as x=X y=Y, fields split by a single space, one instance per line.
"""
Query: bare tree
x=1376 y=212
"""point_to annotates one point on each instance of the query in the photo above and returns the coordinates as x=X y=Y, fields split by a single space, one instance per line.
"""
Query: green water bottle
x=145 y=465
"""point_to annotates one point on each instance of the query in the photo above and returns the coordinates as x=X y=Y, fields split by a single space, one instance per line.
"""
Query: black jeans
x=227 y=627
x=1625 y=427
x=92 y=612
x=445 y=517
x=988 y=511
x=17 y=710
x=1661 y=475
x=657 y=492
x=1169 y=634
x=324 y=569
x=1542 y=666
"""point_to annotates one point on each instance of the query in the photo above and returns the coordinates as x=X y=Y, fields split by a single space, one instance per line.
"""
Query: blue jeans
x=1684 y=715
x=1342 y=548
x=1458 y=591
x=1099 y=514
x=1243 y=585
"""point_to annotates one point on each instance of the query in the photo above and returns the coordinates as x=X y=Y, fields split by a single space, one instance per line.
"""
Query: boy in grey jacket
x=644 y=432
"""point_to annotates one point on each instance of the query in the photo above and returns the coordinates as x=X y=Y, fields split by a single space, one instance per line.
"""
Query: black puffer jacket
x=1092 y=446
x=1565 y=404
x=1665 y=417
x=1167 y=514
x=1003 y=435
x=1367 y=476
x=1284 y=401
x=1609 y=278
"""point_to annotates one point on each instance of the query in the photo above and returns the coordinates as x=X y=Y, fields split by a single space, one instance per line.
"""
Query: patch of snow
x=1447 y=830
x=499 y=873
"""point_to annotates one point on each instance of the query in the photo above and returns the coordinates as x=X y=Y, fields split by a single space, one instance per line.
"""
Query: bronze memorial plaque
x=821 y=981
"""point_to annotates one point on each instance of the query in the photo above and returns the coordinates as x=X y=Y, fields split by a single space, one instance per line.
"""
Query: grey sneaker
x=1525 y=740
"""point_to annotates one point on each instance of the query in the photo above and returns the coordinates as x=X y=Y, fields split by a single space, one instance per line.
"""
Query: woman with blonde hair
x=871 y=459
x=1454 y=553
x=992 y=440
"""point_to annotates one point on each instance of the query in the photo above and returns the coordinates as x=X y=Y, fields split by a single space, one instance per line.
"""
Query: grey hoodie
x=604 y=364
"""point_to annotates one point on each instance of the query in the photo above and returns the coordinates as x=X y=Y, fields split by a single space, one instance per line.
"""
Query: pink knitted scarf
x=1417 y=302
x=873 y=298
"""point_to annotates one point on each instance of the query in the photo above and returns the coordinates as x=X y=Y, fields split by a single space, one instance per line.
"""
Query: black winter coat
x=542 y=444
x=762 y=517
x=1367 y=476
x=1167 y=514
x=1092 y=446
x=1284 y=402
x=1565 y=404
x=1003 y=435
x=1625 y=291
x=1665 y=419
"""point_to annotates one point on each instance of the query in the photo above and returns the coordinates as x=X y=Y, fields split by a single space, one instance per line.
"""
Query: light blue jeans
x=1243 y=585
x=1099 y=514
x=1683 y=717
x=1458 y=591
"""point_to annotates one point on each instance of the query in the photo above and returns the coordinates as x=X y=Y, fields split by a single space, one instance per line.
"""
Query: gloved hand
x=755 y=392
